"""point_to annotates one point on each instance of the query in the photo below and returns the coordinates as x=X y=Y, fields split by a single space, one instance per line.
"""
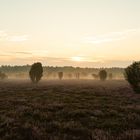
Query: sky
x=80 y=33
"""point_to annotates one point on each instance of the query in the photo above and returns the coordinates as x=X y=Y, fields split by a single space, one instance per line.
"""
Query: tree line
x=36 y=73
x=131 y=73
x=68 y=71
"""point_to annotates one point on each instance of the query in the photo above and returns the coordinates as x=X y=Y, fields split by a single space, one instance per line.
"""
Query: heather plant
x=132 y=75
x=36 y=72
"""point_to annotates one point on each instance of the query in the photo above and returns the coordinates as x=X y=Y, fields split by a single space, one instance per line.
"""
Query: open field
x=69 y=110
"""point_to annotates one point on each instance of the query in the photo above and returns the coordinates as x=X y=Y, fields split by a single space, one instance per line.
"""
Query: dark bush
x=132 y=75
x=95 y=76
x=110 y=76
x=77 y=75
x=60 y=75
x=36 y=72
x=3 y=76
x=103 y=75
x=69 y=75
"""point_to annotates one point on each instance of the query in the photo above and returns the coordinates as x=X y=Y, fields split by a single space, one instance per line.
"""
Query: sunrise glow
x=77 y=59
x=66 y=32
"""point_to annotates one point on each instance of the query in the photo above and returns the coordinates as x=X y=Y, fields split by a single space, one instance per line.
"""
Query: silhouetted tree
x=36 y=72
x=3 y=76
x=84 y=74
x=103 y=75
x=77 y=75
x=60 y=75
x=110 y=76
x=132 y=75
x=69 y=75
x=95 y=76
x=54 y=75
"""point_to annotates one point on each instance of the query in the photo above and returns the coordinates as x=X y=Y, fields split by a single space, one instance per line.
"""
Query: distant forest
x=51 y=71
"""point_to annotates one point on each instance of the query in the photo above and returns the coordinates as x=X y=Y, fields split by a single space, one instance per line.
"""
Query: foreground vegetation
x=69 y=110
x=132 y=75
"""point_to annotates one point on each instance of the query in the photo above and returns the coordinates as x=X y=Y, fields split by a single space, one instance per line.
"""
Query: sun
x=76 y=58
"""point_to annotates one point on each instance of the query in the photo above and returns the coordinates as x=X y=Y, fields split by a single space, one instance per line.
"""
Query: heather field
x=69 y=110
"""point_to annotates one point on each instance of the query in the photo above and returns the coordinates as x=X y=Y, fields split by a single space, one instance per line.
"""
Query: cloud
x=18 y=38
x=81 y=59
x=110 y=37
x=23 y=58
x=28 y=53
x=4 y=36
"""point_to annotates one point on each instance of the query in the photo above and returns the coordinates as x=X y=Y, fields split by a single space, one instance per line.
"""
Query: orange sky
x=91 y=33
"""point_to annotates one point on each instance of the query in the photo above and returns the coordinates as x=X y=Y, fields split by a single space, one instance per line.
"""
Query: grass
x=69 y=110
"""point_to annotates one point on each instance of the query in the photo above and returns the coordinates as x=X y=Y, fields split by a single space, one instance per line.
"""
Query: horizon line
x=63 y=66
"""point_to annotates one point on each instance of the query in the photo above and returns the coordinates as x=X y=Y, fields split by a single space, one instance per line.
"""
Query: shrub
x=110 y=76
x=36 y=72
x=95 y=76
x=132 y=75
x=77 y=75
x=60 y=75
x=3 y=76
x=69 y=75
x=103 y=75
